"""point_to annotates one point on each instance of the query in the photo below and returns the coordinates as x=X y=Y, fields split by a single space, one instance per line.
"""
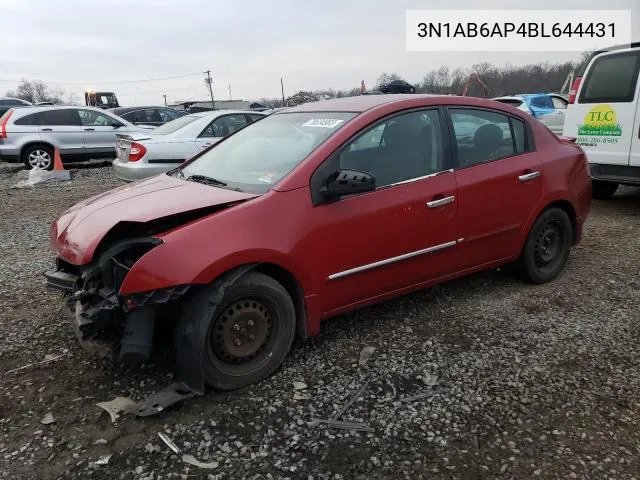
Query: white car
x=142 y=155
x=548 y=108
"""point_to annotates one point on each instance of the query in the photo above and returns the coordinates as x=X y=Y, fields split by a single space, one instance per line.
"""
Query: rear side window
x=64 y=117
x=611 y=78
x=33 y=120
x=542 y=102
x=481 y=136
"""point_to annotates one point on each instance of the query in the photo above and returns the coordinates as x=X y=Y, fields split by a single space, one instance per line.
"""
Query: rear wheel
x=38 y=156
x=603 y=190
x=250 y=333
x=547 y=248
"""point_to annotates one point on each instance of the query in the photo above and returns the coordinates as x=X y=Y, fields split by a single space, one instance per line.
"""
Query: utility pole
x=282 y=88
x=165 y=99
x=209 y=82
x=230 y=97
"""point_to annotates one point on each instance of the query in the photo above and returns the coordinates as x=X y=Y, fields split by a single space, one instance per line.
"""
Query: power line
x=113 y=82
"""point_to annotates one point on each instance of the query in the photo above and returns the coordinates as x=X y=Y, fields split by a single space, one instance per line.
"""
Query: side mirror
x=347 y=182
x=116 y=125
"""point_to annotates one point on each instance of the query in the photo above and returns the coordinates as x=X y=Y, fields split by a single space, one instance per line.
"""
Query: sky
x=115 y=44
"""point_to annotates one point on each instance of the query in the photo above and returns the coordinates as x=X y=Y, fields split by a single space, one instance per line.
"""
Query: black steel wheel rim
x=241 y=334
x=548 y=244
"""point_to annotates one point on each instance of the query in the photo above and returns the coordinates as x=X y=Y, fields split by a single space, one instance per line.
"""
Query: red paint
x=489 y=219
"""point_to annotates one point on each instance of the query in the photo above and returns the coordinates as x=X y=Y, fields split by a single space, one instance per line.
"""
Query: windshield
x=174 y=125
x=259 y=155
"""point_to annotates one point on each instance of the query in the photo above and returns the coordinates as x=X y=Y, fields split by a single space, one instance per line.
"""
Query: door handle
x=47 y=129
x=525 y=177
x=89 y=129
x=441 y=201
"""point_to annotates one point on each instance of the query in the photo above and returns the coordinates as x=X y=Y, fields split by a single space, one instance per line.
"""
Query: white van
x=604 y=117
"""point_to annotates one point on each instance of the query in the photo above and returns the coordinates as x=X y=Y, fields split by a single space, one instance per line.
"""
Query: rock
x=48 y=419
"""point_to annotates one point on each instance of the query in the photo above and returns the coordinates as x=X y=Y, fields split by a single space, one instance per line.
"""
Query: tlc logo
x=601 y=116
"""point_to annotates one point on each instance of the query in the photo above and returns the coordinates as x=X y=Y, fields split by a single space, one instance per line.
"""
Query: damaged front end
x=104 y=321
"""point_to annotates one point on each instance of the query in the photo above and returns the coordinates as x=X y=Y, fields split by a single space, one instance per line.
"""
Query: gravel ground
x=484 y=377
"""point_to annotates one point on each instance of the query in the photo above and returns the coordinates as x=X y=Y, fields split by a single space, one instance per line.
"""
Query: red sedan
x=312 y=212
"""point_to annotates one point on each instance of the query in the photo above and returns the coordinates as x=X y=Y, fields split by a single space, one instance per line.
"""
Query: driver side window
x=401 y=148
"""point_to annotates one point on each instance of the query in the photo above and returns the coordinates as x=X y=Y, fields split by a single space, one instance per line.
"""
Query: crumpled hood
x=78 y=231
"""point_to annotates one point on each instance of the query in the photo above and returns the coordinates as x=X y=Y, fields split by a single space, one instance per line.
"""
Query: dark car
x=397 y=86
x=7 y=103
x=312 y=212
x=155 y=116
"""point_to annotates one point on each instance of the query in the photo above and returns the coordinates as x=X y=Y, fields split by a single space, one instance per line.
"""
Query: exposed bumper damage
x=122 y=327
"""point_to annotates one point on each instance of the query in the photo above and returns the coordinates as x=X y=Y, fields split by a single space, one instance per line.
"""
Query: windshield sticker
x=267 y=178
x=322 y=123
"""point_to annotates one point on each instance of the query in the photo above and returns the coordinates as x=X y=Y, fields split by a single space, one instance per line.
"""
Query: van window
x=611 y=78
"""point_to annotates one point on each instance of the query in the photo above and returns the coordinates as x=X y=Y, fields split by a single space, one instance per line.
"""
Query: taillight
x=567 y=139
x=137 y=152
x=3 y=125
x=574 y=89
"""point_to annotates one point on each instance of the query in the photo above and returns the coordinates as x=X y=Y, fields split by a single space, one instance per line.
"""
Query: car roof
x=216 y=113
x=29 y=109
x=362 y=103
x=133 y=109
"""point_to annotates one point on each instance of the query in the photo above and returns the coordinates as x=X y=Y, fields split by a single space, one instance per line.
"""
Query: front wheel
x=547 y=248
x=249 y=334
x=603 y=190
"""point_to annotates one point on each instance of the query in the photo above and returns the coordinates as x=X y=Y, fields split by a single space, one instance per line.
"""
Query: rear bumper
x=132 y=171
x=623 y=174
x=8 y=154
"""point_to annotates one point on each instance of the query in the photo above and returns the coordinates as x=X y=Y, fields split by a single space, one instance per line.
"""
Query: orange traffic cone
x=57 y=161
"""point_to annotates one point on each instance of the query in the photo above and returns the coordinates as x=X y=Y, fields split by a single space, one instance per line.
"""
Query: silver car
x=548 y=108
x=141 y=155
x=30 y=134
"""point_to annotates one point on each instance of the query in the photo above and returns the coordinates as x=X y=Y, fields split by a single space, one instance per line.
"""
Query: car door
x=99 y=133
x=560 y=106
x=542 y=108
x=62 y=128
x=402 y=233
x=219 y=128
x=498 y=180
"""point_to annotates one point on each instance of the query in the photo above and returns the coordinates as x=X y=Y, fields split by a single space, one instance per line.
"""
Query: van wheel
x=250 y=334
x=38 y=156
x=547 y=248
x=603 y=190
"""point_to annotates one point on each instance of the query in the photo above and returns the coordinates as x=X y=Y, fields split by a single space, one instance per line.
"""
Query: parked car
x=144 y=154
x=313 y=212
x=605 y=117
x=397 y=86
x=155 y=116
x=549 y=108
x=29 y=135
x=7 y=103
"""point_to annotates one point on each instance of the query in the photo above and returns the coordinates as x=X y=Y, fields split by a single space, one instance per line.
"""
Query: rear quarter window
x=611 y=78
x=33 y=119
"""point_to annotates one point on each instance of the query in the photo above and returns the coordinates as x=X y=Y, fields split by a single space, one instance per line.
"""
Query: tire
x=38 y=156
x=412 y=90
x=256 y=298
x=603 y=190
x=547 y=248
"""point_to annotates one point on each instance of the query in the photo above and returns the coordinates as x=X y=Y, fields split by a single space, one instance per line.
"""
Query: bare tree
x=35 y=91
